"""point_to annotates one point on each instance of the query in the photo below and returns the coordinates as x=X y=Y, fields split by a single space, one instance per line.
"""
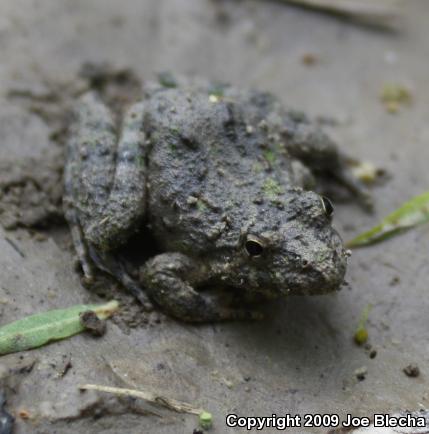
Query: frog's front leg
x=310 y=145
x=170 y=279
x=104 y=185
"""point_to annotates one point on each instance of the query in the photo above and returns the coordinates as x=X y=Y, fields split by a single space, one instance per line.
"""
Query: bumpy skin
x=221 y=181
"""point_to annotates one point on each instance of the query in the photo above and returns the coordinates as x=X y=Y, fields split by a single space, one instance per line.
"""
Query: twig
x=170 y=403
x=381 y=12
x=15 y=247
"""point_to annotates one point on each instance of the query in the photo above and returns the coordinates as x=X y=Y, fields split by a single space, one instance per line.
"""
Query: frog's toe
x=366 y=200
x=362 y=194
x=142 y=298
x=113 y=266
x=87 y=281
x=240 y=314
x=132 y=287
x=356 y=188
x=253 y=315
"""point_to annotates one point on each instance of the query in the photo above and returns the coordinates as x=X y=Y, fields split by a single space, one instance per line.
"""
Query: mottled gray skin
x=222 y=183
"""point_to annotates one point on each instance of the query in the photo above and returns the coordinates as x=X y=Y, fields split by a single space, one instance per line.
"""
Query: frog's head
x=295 y=250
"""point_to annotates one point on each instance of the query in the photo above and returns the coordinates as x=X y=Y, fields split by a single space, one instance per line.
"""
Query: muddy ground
x=302 y=358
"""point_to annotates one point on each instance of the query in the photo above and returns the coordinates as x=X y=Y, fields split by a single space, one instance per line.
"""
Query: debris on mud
x=394 y=96
x=66 y=366
x=412 y=370
x=309 y=59
x=360 y=373
x=92 y=324
x=31 y=192
x=368 y=172
x=6 y=420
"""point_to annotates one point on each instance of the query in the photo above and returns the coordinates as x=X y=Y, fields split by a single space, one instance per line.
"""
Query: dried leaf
x=42 y=328
x=410 y=214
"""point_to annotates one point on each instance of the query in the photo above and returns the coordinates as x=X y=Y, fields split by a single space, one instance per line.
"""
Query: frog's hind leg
x=124 y=207
x=104 y=186
x=89 y=167
x=78 y=242
x=91 y=129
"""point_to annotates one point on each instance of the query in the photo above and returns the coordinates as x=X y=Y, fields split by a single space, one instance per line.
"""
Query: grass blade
x=410 y=214
x=42 y=328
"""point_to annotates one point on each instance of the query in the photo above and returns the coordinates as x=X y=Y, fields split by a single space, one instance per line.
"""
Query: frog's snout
x=320 y=268
x=320 y=278
x=326 y=273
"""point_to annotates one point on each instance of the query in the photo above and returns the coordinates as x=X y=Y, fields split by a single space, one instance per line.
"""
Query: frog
x=226 y=182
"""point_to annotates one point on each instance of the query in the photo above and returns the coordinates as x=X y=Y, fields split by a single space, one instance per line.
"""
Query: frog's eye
x=327 y=206
x=254 y=247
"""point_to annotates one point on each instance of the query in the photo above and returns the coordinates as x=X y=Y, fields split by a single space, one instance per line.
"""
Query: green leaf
x=410 y=214
x=42 y=328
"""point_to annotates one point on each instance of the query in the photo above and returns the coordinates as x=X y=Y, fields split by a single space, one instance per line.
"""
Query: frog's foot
x=78 y=242
x=89 y=257
x=181 y=301
x=168 y=278
x=110 y=265
x=312 y=147
x=355 y=186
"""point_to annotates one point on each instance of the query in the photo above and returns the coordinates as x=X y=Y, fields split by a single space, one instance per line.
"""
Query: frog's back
x=207 y=167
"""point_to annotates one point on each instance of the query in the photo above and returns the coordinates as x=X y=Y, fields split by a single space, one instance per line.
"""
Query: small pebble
x=360 y=373
x=92 y=323
x=309 y=59
x=412 y=370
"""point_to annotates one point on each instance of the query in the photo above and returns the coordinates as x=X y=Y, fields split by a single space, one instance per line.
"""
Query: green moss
x=270 y=156
x=272 y=189
x=201 y=206
x=155 y=137
x=257 y=167
x=173 y=146
x=141 y=161
x=175 y=131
